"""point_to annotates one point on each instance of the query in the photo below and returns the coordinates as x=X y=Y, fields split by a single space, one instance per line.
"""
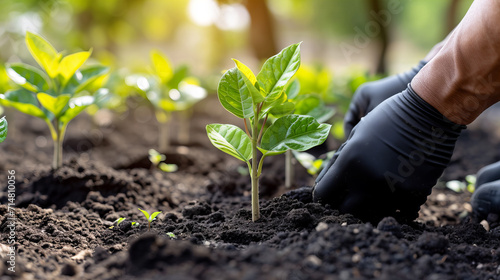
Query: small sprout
x=459 y=186
x=171 y=235
x=118 y=221
x=471 y=183
x=456 y=186
x=135 y=224
x=151 y=217
x=156 y=159
x=166 y=167
x=312 y=164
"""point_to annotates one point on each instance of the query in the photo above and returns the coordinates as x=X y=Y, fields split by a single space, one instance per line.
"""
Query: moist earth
x=63 y=217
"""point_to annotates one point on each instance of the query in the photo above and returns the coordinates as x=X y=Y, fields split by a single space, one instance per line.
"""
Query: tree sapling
x=57 y=95
x=252 y=98
x=151 y=217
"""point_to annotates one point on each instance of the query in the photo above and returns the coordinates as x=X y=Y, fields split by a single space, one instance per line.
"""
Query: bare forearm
x=463 y=79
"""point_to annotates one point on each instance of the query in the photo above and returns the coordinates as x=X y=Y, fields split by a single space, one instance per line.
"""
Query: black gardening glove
x=391 y=160
x=371 y=94
x=486 y=198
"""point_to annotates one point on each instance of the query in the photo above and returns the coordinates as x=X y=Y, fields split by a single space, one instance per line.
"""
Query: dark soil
x=63 y=217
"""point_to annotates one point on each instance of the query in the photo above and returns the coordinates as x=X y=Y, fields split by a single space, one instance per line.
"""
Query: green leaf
x=278 y=70
x=162 y=66
x=3 y=129
x=55 y=105
x=269 y=104
x=168 y=167
x=281 y=110
x=70 y=63
x=322 y=113
x=75 y=107
x=179 y=74
x=145 y=213
x=83 y=78
x=231 y=140
x=24 y=101
x=44 y=53
x=293 y=89
x=28 y=77
x=234 y=95
x=250 y=81
x=153 y=216
x=306 y=103
x=294 y=132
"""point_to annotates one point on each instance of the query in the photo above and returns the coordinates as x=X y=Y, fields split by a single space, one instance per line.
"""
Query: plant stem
x=183 y=136
x=163 y=140
x=59 y=131
x=254 y=175
x=288 y=169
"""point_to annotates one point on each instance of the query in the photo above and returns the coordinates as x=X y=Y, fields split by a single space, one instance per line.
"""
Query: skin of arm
x=463 y=79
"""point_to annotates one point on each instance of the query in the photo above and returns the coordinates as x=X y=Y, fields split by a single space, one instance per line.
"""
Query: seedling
x=156 y=161
x=168 y=91
x=3 y=129
x=117 y=222
x=57 y=94
x=171 y=235
x=459 y=186
x=135 y=224
x=151 y=217
x=253 y=98
x=312 y=164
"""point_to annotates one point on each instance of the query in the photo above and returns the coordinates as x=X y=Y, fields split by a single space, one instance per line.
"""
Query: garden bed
x=63 y=217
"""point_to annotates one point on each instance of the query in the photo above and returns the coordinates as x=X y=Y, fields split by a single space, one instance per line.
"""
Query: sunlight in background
x=225 y=17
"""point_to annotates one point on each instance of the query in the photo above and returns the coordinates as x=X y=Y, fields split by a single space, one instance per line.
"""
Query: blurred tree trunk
x=383 y=37
x=451 y=16
x=262 y=31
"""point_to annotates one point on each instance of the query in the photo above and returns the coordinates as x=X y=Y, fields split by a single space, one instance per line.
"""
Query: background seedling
x=171 y=235
x=3 y=129
x=151 y=217
x=117 y=222
x=253 y=98
x=168 y=91
x=156 y=162
x=57 y=94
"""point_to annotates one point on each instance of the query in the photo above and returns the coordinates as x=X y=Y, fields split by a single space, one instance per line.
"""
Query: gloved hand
x=391 y=160
x=486 y=197
x=371 y=94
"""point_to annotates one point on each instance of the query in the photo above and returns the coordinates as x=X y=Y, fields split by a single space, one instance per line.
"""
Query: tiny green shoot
x=134 y=224
x=459 y=186
x=3 y=129
x=151 y=217
x=253 y=98
x=171 y=235
x=117 y=222
x=156 y=161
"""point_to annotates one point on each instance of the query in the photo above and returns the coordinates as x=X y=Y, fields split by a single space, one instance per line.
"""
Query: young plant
x=3 y=129
x=156 y=161
x=312 y=164
x=57 y=94
x=171 y=235
x=117 y=222
x=151 y=217
x=168 y=91
x=252 y=98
